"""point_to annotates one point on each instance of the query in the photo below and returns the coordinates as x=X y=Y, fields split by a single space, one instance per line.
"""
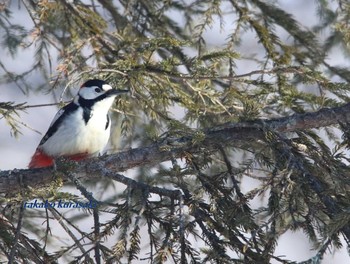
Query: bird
x=81 y=129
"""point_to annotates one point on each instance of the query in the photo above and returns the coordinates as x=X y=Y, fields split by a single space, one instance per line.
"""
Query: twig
x=97 y=235
x=37 y=105
x=58 y=218
x=17 y=235
x=48 y=229
x=182 y=229
x=90 y=197
x=140 y=185
x=181 y=76
x=11 y=75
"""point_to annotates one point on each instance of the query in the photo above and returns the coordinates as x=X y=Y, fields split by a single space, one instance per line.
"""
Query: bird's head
x=98 y=90
x=96 y=94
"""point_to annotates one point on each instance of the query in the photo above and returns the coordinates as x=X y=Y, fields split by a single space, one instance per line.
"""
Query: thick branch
x=235 y=133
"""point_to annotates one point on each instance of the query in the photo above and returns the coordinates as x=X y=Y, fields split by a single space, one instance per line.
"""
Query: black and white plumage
x=80 y=129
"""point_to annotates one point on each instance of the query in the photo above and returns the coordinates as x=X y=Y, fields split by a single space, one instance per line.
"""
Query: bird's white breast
x=74 y=136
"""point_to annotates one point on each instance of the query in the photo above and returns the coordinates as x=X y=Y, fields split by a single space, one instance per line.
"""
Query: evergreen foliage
x=193 y=209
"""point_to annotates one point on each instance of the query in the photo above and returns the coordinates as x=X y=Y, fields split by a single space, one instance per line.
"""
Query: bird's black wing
x=57 y=120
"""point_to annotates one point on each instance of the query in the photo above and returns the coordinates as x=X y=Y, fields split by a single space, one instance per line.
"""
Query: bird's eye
x=98 y=90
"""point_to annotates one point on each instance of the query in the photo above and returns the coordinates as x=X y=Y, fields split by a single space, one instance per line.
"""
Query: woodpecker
x=80 y=129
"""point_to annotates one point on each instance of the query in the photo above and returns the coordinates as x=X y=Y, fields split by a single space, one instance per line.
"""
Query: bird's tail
x=40 y=160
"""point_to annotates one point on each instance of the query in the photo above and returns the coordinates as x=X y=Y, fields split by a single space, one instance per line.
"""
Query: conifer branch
x=167 y=149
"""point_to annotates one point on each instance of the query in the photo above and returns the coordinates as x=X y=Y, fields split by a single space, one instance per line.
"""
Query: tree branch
x=235 y=133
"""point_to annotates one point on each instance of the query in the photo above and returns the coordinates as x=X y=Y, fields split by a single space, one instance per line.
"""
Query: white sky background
x=16 y=153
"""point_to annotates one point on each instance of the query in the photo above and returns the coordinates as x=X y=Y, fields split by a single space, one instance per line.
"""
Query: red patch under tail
x=40 y=160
